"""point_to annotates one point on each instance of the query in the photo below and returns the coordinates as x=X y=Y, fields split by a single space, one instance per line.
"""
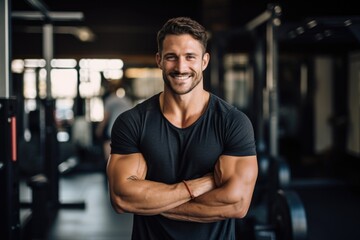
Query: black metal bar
x=51 y=152
x=39 y=5
x=39 y=206
x=9 y=174
x=5 y=42
x=272 y=77
x=54 y=16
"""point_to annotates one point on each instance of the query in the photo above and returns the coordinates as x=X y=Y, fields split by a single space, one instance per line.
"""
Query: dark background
x=127 y=29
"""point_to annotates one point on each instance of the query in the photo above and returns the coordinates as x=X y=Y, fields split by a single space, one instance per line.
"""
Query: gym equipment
x=279 y=174
x=50 y=152
x=286 y=220
x=274 y=174
x=274 y=171
x=271 y=19
x=9 y=177
x=48 y=140
x=288 y=216
x=10 y=224
x=263 y=29
x=37 y=225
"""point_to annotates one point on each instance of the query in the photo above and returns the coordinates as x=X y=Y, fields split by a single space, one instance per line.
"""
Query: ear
x=158 y=60
x=205 y=60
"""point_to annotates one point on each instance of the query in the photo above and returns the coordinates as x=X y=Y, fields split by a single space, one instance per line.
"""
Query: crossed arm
x=225 y=193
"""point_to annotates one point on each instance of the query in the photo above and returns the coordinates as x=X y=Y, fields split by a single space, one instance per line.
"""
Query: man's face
x=182 y=61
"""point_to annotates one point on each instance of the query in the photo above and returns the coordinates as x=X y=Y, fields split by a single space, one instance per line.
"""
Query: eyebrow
x=186 y=54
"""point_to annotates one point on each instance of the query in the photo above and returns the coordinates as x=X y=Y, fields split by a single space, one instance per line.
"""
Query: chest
x=174 y=154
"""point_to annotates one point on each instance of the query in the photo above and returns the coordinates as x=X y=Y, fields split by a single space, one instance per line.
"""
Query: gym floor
x=97 y=221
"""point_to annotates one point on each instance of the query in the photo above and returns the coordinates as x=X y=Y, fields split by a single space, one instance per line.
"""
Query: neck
x=183 y=110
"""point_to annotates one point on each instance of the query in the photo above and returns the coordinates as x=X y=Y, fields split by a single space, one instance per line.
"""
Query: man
x=183 y=161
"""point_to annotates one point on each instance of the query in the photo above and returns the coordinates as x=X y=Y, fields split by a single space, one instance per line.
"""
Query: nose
x=181 y=64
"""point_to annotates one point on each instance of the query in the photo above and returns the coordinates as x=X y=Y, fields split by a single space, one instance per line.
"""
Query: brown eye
x=170 y=58
x=191 y=57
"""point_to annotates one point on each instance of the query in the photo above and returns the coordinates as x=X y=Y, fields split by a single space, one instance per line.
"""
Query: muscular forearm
x=218 y=204
x=148 y=197
x=195 y=212
x=198 y=211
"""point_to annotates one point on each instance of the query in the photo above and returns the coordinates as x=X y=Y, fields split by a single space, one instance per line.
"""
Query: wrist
x=188 y=189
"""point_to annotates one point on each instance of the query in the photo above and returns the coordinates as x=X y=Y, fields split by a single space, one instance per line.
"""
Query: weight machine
x=45 y=187
x=285 y=212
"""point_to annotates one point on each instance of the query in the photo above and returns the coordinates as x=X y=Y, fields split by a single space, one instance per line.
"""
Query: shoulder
x=142 y=108
x=218 y=104
x=150 y=103
x=227 y=112
x=131 y=123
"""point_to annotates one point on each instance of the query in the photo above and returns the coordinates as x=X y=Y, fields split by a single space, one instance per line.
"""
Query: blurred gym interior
x=292 y=66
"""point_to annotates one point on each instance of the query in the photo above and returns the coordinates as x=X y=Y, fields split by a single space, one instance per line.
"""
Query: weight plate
x=288 y=216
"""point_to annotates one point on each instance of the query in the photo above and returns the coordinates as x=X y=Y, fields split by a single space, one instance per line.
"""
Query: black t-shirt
x=174 y=154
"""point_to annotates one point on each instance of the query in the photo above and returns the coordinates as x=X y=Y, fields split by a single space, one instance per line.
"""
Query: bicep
x=122 y=167
x=237 y=175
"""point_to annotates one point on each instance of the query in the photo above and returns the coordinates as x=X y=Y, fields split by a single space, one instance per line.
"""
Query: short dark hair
x=182 y=25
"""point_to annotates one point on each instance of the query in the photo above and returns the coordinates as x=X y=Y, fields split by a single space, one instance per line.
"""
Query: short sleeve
x=239 y=135
x=124 y=133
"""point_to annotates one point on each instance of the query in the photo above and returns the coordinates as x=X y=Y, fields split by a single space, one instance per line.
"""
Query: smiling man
x=183 y=161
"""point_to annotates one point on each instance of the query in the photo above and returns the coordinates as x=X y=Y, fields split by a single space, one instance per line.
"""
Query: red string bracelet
x=188 y=188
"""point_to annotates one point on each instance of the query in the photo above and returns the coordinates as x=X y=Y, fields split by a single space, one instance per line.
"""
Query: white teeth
x=182 y=77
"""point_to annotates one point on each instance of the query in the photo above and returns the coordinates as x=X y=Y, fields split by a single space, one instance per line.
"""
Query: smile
x=181 y=76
